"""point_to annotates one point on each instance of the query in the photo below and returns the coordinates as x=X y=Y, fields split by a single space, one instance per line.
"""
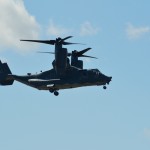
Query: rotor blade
x=46 y=52
x=68 y=37
x=88 y=56
x=68 y=43
x=51 y=42
x=83 y=51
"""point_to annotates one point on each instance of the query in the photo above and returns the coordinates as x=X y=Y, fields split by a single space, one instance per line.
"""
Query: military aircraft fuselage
x=64 y=75
x=74 y=78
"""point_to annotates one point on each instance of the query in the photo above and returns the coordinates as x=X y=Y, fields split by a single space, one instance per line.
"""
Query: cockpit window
x=96 y=71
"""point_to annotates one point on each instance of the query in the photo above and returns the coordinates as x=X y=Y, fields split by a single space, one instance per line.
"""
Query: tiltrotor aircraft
x=63 y=75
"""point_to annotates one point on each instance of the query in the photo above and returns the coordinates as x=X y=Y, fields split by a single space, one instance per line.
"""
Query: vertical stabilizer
x=4 y=74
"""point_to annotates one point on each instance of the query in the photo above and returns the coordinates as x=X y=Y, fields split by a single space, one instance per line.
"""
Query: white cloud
x=136 y=32
x=88 y=29
x=57 y=30
x=16 y=23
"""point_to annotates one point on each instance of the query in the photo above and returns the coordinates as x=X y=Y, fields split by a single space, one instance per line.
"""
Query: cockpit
x=90 y=73
x=96 y=72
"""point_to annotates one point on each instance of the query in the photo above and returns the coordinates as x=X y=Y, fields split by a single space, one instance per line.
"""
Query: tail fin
x=4 y=74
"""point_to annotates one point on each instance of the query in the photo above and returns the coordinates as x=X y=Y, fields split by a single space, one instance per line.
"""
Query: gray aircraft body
x=63 y=75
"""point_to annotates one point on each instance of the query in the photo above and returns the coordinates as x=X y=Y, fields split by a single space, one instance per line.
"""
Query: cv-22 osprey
x=63 y=75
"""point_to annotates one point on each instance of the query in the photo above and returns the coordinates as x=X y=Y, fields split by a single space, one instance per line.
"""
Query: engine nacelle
x=77 y=63
x=60 y=63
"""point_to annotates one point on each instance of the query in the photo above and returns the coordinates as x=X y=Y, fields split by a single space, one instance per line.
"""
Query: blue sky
x=84 y=118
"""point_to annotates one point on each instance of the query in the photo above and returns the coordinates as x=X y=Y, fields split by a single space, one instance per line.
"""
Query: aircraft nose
x=108 y=79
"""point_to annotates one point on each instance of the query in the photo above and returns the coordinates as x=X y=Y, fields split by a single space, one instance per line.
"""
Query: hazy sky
x=85 y=118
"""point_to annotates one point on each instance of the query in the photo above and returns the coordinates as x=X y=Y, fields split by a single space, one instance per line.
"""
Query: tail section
x=5 y=73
